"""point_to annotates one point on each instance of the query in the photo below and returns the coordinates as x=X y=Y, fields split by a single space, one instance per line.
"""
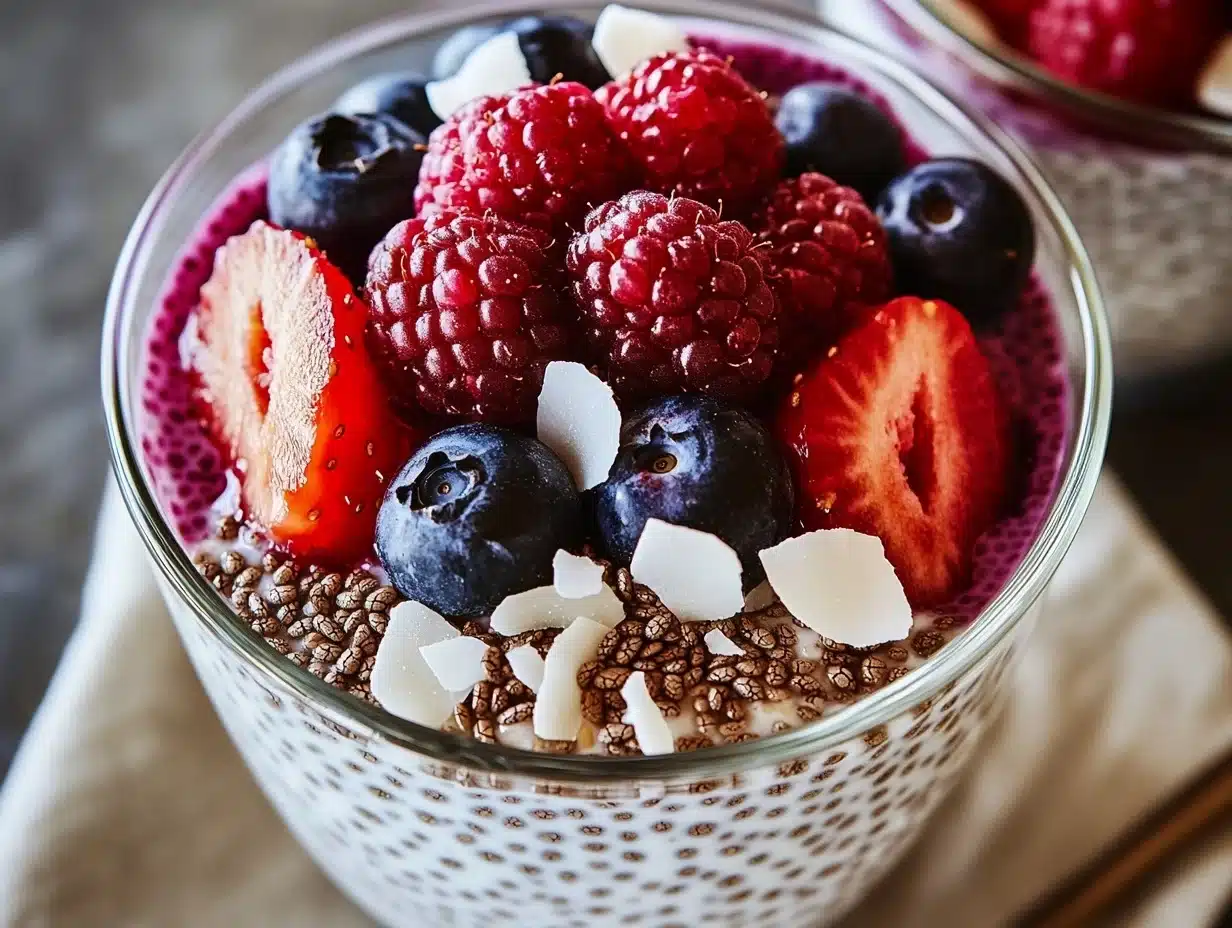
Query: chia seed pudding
x=777 y=671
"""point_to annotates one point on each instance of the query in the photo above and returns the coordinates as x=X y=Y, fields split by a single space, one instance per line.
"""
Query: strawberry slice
x=900 y=433
x=294 y=394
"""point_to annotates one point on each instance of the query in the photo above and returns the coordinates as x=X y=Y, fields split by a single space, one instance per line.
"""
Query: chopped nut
x=278 y=645
x=873 y=671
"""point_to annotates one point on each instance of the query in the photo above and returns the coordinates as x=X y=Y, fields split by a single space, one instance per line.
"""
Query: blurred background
x=99 y=97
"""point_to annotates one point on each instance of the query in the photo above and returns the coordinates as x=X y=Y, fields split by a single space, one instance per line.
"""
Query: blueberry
x=455 y=49
x=837 y=132
x=399 y=94
x=555 y=45
x=345 y=181
x=477 y=514
x=959 y=232
x=691 y=461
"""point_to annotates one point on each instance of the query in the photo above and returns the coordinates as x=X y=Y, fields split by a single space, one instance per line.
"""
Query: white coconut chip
x=760 y=597
x=695 y=574
x=457 y=662
x=579 y=420
x=1215 y=82
x=544 y=607
x=496 y=67
x=624 y=38
x=654 y=735
x=526 y=665
x=558 y=704
x=402 y=681
x=718 y=643
x=575 y=576
x=839 y=583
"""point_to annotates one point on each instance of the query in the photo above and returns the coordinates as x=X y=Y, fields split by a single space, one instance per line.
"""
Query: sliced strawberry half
x=900 y=433
x=294 y=394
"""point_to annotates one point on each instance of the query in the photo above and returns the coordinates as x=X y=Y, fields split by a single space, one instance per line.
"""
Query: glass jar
x=1150 y=190
x=423 y=827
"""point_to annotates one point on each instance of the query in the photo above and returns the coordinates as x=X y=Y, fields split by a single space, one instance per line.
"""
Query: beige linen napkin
x=1122 y=695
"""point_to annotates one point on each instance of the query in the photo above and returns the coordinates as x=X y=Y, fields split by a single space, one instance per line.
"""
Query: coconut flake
x=624 y=38
x=575 y=576
x=1215 y=82
x=718 y=643
x=839 y=583
x=402 y=681
x=558 y=704
x=695 y=574
x=494 y=68
x=654 y=735
x=579 y=420
x=526 y=665
x=760 y=597
x=544 y=607
x=457 y=662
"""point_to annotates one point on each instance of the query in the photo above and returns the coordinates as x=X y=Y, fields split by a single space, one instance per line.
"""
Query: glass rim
x=1072 y=496
x=1009 y=68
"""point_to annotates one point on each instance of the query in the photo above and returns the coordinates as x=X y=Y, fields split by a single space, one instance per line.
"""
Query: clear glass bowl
x=1149 y=189
x=410 y=820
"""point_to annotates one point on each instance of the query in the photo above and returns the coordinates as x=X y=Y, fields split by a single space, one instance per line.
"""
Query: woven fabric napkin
x=127 y=806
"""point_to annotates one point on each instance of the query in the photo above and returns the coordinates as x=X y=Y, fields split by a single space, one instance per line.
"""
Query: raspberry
x=674 y=299
x=697 y=129
x=541 y=155
x=465 y=314
x=1148 y=51
x=829 y=256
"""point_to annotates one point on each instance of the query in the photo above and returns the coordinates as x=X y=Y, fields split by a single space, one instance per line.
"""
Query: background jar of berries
x=1126 y=106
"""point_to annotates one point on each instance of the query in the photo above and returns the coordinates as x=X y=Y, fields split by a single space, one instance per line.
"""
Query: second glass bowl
x=1150 y=190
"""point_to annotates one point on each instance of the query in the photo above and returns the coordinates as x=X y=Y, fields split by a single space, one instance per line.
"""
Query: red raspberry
x=541 y=155
x=465 y=314
x=1148 y=51
x=675 y=299
x=829 y=257
x=697 y=129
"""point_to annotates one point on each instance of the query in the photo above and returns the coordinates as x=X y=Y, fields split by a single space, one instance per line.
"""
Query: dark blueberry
x=691 y=461
x=455 y=49
x=959 y=232
x=399 y=94
x=835 y=131
x=345 y=181
x=477 y=514
x=559 y=45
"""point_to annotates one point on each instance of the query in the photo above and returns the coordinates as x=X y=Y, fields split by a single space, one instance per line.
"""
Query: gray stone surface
x=98 y=97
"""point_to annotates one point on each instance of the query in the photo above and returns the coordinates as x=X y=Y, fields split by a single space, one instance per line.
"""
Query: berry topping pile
x=1155 y=52
x=613 y=375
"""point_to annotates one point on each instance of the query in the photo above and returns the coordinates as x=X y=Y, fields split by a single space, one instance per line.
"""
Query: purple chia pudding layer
x=331 y=621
